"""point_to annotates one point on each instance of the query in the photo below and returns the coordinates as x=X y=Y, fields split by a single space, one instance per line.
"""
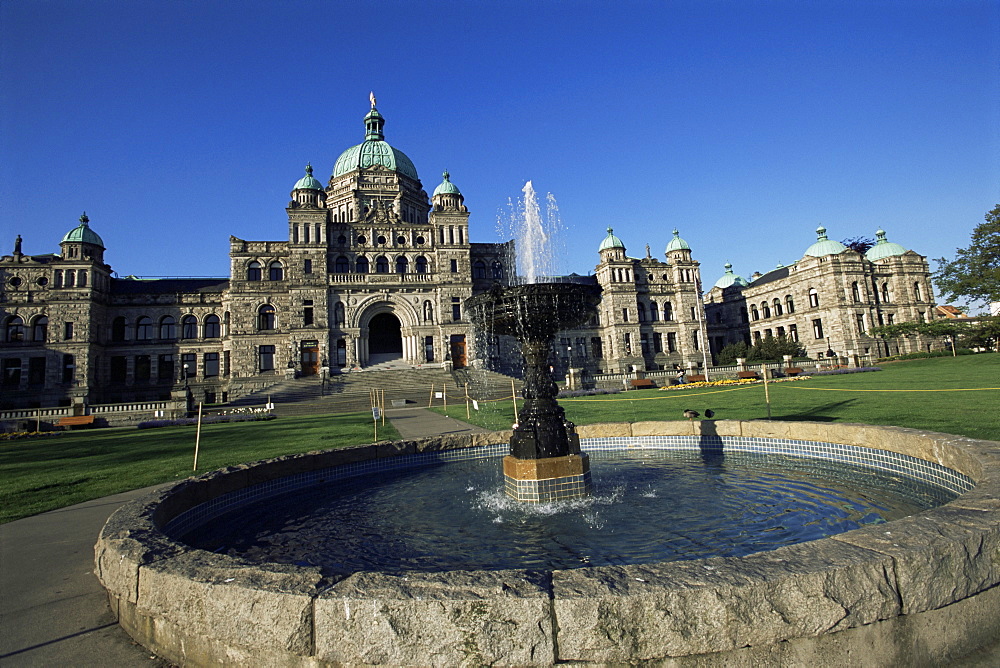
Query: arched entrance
x=385 y=338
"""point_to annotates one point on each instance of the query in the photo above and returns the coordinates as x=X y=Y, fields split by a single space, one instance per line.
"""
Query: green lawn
x=924 y=394
x=48 y=473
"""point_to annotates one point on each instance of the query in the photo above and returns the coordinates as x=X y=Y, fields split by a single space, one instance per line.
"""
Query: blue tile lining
x=919 y=470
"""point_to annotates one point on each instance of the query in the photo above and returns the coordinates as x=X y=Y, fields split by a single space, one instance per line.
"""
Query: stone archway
x=385 y=338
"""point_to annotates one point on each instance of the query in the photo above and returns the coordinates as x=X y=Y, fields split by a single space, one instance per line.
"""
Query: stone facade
x=374 y=269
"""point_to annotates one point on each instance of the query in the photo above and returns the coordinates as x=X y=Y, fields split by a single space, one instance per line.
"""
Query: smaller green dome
x=611 y=241
x=729 y=278
x=446 y=187
x=824 y=246
x=308 y=182
x=677 y=243
x=83 y=234
x=882 y=248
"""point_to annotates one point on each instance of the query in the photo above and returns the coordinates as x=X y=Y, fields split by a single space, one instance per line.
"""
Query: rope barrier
x=956 y=389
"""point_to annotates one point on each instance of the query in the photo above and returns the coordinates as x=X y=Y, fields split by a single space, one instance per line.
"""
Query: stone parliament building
x=373 y=269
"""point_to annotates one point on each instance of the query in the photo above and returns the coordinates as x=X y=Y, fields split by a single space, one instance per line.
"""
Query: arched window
x=82 y=278
x=428 y=312
x=70 y=278
x=654 y=313
x=15 y=329
x=118 y=329
x=342 y=265
x=402 y=264
x=265 y=317
x=789 y=304
x=776 y=304
x=40 y=329
x=497 y=270
x=253 y=271
x=885 y=292
x=275 y=272
x=765 y=310
x=212 y=327
x=916 y=292
x=753 y=312
x=144 y=328
x=813 y=297
x=668 y=311
x=479 y=269
x=168 y=328
x=338 y=314
x=641 y=308
x=189 y=327
x=421 y=264
x=381 y=265
x=855 y=292
x=361 y=266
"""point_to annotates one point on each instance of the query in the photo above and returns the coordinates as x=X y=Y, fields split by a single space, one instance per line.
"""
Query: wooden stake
x=467 y=414
x=430 y=399
x=513 y=397
x=383 y=408
x=444 y=395
x=767 y=395
x=197 y=439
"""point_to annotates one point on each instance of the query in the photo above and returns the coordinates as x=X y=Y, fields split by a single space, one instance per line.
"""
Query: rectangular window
x=891 y=317
x=308 y=267
x=456 y=309
x=119 y=369
x=225 y=364
x=628 y=344
x=861 y=323
x=265 y=355
x=671 y=342
x=307 y=315
x=67 y=331
x=165 y=367
x=657 y=342
x=597 y=347
x=625 y=314
x=817 y=328
x=693 y=315
x=756 y=338
x=69 y=368
x=12 y=372
x=211 y=365
x=793 y=332
x=644 y=343
x=696 y=339
x=36 y=370
x=189 y=364
x=454 y=266
x=780 y=331
x=429 y=348
x=142 y=367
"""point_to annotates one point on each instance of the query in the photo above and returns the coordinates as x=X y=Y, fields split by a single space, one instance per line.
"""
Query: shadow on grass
x=816 y=413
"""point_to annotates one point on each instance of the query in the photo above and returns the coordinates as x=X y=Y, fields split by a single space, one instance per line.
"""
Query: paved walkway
x=53 y=611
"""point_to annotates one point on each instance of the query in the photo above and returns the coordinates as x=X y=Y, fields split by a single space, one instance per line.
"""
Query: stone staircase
x=404 y=385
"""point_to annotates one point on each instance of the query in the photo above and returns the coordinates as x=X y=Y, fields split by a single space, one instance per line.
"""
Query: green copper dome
x=882 y=248
x=447 y=187
x=729 y=278
x=611 y=241
x=374 y=151
x=83 y=234
x=824 y=246
x=308 y=182
x=677 y=243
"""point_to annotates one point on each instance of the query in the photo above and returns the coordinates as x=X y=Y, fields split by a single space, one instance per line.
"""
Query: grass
x=47 y=473
x=923 y=394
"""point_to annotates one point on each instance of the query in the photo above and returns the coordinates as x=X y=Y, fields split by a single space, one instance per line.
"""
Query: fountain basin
x=920 y=589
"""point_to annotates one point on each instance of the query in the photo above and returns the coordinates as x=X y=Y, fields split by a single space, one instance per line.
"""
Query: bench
x=697 y=378
x=793 y=371
x=76 y=421
x=747 y=375
x=642 y=383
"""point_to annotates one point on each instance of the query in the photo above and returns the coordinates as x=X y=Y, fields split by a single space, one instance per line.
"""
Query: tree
x=983 y=332
x=974 y=274
x=859 y=244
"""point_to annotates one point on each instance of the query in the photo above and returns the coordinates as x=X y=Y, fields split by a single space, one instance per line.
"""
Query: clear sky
x=745 y=124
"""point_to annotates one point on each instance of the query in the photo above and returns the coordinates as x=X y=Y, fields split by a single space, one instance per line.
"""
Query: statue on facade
x=17 y=245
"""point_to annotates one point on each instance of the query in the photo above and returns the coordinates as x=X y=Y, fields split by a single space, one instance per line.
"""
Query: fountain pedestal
x=545 y=462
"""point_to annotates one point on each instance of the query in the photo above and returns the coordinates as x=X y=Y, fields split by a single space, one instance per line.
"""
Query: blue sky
x=744 y=124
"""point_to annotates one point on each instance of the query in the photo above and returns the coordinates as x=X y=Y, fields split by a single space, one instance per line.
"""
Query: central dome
x=374 y=151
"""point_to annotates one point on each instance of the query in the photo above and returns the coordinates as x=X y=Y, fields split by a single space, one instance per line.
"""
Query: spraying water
x=536 y=236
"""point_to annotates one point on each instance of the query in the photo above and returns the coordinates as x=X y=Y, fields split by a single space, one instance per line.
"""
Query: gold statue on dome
x=371 y=96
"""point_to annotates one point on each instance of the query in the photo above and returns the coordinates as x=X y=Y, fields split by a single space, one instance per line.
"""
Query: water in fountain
x=537 y=238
